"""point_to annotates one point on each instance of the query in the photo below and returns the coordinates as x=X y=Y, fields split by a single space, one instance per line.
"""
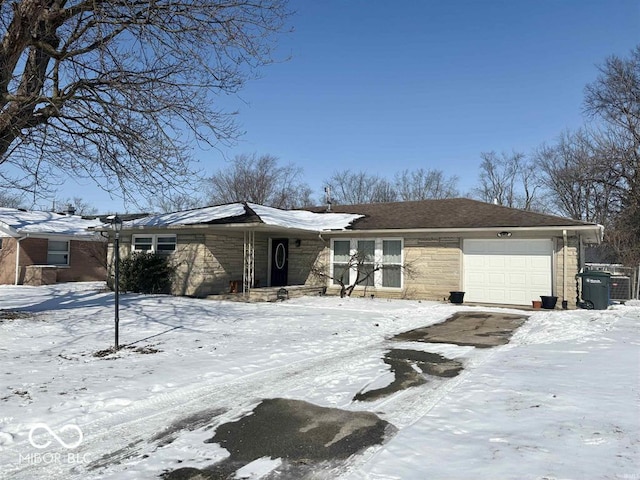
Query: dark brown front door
x=279 y=261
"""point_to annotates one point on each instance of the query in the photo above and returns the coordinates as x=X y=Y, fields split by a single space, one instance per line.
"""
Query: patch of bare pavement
x=475 y=329
x=303 y=435
x=308 y=438
x=409 y=367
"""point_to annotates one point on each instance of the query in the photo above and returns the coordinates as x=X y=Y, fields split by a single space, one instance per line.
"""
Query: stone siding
x=207 y=263
x=302 y=260
x=433 y=267
x=573 y=267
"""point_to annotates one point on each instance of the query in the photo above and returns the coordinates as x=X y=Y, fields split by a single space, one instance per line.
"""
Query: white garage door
x=509 y=271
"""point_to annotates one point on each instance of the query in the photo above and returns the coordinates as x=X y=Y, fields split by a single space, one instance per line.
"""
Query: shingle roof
x=446 y=213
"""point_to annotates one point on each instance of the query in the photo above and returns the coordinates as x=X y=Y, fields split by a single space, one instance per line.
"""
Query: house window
x=366 y=250
x=162 y=244
x=142 y=244
x=379 y=260
x=392 y=263
x=165 y=244
x=340 y=265
x=58 y=253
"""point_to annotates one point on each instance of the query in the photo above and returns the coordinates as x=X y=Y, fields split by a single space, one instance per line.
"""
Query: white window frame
x=394 y=264
x=154 y=243
x=66 y=252
x=378 y=260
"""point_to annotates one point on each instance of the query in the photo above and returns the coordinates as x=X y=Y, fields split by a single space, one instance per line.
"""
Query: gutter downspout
x=18 y=240
x=564 y=266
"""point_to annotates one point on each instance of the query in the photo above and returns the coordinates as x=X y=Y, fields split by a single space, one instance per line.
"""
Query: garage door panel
x=495 y=295
x=540 y=283
x=495 y=261
x=476 y=278
x=519 y=262
x=509 y=271
x=518 y=297
x=539 y=263
x=495 y=279
x=476 y=263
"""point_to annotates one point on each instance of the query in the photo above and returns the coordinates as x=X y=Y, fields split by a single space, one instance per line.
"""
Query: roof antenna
x=327 y=196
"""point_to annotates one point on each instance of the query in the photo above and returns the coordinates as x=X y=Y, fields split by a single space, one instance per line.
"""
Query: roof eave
x=596 y=229
x=257 y=226
x=8 y=230
x=60 y=236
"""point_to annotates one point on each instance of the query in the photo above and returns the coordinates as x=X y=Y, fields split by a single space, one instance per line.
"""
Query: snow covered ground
x=560 y=401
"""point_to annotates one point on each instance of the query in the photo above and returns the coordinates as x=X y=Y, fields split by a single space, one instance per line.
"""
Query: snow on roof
x=189 y=217
x=14 y=221
x=302 y=219
x=298 y=219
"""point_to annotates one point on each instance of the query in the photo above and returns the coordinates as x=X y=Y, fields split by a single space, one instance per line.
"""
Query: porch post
x=248 y=271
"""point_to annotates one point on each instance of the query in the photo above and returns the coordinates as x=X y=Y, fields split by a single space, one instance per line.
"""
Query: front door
x=279 y=261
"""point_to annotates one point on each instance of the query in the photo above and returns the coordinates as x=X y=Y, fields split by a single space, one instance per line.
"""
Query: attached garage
x=507 y=271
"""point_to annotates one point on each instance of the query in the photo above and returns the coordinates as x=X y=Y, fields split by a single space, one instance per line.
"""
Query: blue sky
x=389 y=85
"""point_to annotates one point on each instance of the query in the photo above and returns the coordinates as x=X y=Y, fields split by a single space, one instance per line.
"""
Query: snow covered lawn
x=560 y=401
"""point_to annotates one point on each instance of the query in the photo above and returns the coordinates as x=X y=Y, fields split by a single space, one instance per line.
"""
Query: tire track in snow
x=409 y=406
x=127 y=433
x=133 y=426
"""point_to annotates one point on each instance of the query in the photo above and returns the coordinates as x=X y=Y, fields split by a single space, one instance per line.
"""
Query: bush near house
x=144 y=272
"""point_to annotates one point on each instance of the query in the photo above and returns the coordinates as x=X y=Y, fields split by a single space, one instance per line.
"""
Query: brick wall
x=8 y=261
x=86 y=260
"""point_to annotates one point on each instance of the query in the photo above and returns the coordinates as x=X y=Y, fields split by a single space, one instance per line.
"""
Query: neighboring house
x=423 y=249
x=38 y=248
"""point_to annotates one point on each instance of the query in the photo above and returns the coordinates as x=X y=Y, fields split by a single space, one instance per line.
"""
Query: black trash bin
x=595 y=289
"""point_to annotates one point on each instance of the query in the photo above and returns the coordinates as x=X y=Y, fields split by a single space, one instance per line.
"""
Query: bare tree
x=176 y=201
x=574 y=176
x=424 y=184
x=365 y=266
x=348 y=187
x=614 y=98
x=260 y=179
x=117 y=91
x=351 y=188
x=384 y=191
x=78 y=204
x=9 y=200
x=508 y=180
x=359 y=261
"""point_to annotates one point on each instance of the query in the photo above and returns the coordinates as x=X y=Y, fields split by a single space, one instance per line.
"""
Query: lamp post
x=116 y=224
